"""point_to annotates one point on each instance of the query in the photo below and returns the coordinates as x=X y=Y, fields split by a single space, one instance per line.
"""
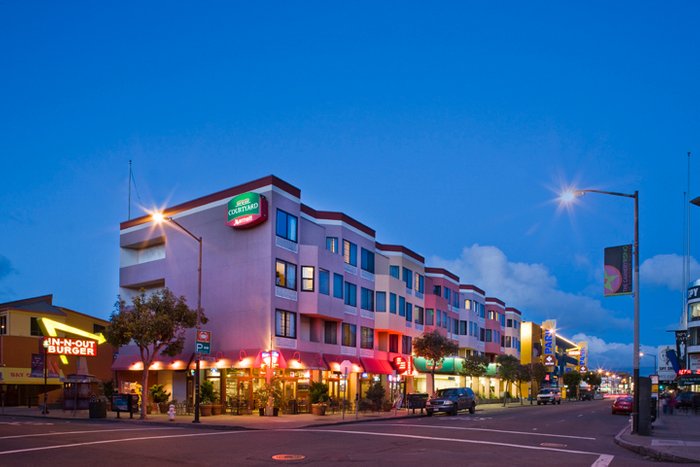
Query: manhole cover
x=552 y=445
x=288 y=457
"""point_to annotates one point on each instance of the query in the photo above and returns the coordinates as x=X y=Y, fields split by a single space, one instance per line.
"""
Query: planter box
x=205 y=410
x=318 y=409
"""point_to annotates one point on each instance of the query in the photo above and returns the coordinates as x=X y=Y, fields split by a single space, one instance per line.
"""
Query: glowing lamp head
x=157 y=217
x=45 y=343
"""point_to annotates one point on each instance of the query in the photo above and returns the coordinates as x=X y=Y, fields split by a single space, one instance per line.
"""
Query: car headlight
x=449 y=402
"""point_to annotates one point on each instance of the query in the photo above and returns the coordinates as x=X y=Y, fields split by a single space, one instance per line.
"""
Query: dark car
x=452 y=400
x=623 y=405
x=684 y=400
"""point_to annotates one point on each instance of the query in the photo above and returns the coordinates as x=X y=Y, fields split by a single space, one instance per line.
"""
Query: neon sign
x=52 y=327
x=68 y=346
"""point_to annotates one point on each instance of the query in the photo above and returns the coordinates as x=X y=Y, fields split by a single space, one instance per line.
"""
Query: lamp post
x=568 y=197
x=159 y=218
x=45 y=344
x=656 y=361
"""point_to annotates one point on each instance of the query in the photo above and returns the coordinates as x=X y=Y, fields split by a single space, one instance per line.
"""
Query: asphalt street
x=570 y=434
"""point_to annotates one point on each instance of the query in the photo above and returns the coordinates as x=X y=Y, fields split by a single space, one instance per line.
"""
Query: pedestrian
x=672 y=402
x=664 y=404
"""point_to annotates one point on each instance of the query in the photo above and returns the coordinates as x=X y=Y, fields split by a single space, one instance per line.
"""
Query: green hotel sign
x=247 y=210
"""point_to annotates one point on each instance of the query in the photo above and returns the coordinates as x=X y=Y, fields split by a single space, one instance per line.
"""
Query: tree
x=156 y=324
x=572 y=379
x=522 y=376
x=537 y=373
x=474 y=366
x=434 y=347
x=508 y=367
x=593 y=378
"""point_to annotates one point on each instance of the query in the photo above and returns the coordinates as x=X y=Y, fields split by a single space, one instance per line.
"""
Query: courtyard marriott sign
x=247 y=210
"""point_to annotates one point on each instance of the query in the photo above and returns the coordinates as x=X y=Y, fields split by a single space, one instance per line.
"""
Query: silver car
x=452 y=400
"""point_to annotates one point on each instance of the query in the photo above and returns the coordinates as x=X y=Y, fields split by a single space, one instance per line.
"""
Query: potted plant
x=207 y=398
x=318 y=393
x=159 y=397
x=269 y=399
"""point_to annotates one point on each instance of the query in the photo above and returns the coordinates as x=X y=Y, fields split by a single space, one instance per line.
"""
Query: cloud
x=532 y=289
x=612 y=355
x=667 y=271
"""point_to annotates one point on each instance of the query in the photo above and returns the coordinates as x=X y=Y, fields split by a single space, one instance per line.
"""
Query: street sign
x=203 y=342
x=549 y=360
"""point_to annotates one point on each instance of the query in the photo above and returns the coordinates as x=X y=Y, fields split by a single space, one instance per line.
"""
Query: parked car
x=684 y=400
x=451 y=400
x=585 y=395
x=549 y=395
x=623 y=404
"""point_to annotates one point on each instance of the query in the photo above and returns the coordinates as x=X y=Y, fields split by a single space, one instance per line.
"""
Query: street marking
x=603 y=461
x=110 y=441
x=489 y=429
x=453 y=440
x=83 y=432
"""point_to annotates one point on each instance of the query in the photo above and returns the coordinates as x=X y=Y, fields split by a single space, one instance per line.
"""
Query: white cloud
x=614 y=355
x=532 y=289
x=667 y=271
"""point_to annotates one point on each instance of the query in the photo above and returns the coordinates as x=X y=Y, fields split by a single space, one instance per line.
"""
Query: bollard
x=171 y=413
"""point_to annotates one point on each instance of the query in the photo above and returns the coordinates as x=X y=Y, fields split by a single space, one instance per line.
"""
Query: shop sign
x=403 y=365
x=70 y=346
x=665 y=369
x=246 y=210
x=618 y=270
x=549 y=342
x=583 y=356
x=203 y=342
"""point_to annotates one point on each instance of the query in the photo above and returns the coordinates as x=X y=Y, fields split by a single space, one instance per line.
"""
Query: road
x=570 y=434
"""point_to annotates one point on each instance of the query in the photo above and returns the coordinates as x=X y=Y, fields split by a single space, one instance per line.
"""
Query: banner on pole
x=618 y=270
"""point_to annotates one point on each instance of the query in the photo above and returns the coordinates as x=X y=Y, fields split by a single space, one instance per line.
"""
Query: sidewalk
x=674 y=438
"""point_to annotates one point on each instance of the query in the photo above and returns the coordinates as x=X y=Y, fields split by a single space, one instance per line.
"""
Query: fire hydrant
x=171 y=413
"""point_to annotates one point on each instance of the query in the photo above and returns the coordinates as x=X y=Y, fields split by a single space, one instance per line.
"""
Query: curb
x=649 y=451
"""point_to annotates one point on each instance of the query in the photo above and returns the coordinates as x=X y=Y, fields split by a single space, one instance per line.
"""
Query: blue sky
x=448 y=128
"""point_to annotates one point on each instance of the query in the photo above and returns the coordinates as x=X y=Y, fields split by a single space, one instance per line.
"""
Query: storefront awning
x=449 y=366
x=376 y=366
x=334 y=362
x=9 y=375
x=301 y=360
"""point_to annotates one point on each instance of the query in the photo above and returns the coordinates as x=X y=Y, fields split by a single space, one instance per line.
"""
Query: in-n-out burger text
x=69 y=346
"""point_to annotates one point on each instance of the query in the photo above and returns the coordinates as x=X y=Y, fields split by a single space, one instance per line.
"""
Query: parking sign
x=203 y=342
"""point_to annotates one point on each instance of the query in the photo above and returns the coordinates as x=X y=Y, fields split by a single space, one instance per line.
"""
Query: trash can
x=98 y=408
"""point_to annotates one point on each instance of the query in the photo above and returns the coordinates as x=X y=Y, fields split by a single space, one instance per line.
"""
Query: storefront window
x=694 y=311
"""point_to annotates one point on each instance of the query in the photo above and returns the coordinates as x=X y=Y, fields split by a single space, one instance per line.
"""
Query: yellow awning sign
x=9 y=375
x=51 y=327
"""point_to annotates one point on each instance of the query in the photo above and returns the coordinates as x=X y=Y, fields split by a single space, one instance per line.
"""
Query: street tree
x=156 y=324
x=593 y=378
x=522 y=376
x=474 y=366
x=508 y=367
x=537 y=373
x=572 y=379
x=434 y=347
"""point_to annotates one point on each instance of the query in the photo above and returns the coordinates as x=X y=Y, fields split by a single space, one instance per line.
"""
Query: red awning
x=334 y=362
x=299 y=359
x=376 y=366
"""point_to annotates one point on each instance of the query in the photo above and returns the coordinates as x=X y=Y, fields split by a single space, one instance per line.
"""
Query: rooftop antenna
x=130 y=178
x=686 y=258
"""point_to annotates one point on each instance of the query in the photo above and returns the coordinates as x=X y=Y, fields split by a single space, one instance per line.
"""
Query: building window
x=419 y=283
x=366 y=338
x=324 y=278
x=492 y=315
x=286 y=275
x=408 y=278
x=98 y=328
x=406 y=345
x=381 y=301
x=437 y=290
x=350 y=294
x=438 y=318
x=509 y=323
x=394 y=271
x=35 y=329
x=337 y=285
x=286 y=226
x=330 y=332
x=467 y=304
x=332 y=244
x=694 y=311
x=367 y=299
x=394 y=343
x=402 y=306
x=392 y=303
x=349 y=253
x=349 y=335
x=419 y=315
x=429 y=316
x=462 y=328
x=367 y=260
x=447 y=294
x=285 y=324
x=455 y=326
x=507 y=341
x=409 y=312
x=307 y=278
x=3 y=325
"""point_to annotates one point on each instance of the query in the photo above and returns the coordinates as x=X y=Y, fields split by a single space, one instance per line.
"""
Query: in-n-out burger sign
x=68 y=346
x=246 y=210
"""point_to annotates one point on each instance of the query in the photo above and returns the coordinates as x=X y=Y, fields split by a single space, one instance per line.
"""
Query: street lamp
x=656 y=361
x=568 y=197
x=159 y=218
x=45 y=344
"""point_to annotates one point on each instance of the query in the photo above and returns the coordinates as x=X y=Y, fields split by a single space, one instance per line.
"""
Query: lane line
x=489 y=429
x=110 y=441
x=86 y=431
x=603 y=461
x=453 y=440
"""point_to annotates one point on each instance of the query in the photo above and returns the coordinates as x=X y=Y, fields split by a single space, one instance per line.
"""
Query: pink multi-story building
x=313 y=286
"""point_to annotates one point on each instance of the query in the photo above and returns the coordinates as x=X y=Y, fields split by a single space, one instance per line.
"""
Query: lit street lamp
x=567 y=198
x=45 y=344
x=158 y=218
x=656 y=361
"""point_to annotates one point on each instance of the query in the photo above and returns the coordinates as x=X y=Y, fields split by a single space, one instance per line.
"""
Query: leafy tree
x=376 y=394
x=593 y=378
x=474 y=366
x=434 y=347
x=508 y=367
x=537 y=374
x=522 y=375
x=572 y=379
x=156 y=324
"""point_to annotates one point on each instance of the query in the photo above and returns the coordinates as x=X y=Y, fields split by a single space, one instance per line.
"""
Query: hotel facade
x=315 y=289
